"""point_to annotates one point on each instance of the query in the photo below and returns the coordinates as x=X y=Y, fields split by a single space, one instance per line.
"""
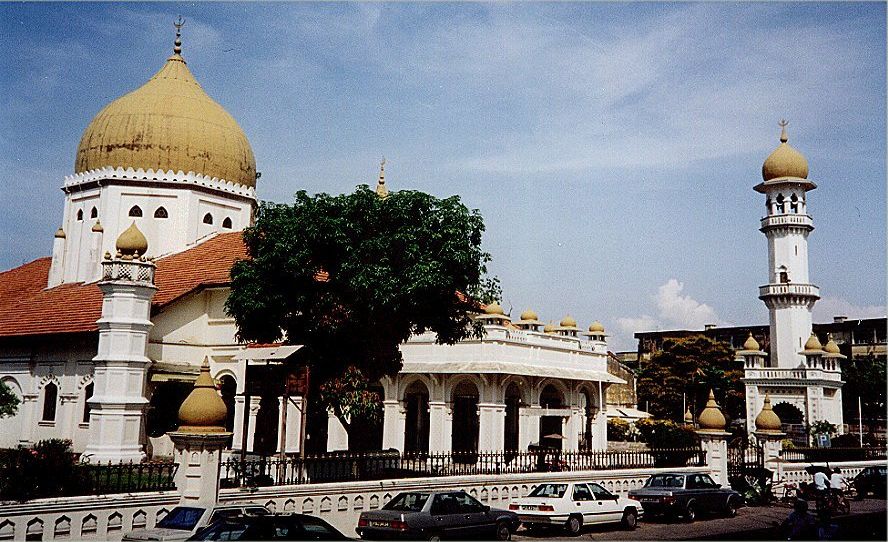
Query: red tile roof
x=27 y=307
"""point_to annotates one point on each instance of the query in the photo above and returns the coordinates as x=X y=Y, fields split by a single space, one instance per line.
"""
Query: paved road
x=866 y=521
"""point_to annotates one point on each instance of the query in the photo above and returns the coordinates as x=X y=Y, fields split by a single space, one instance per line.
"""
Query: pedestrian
x=799 y=525
x=837 y=482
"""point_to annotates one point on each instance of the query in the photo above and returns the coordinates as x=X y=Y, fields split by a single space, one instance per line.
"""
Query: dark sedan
x=271 y=527
x=436 y=515
x=686 y=495
x=871 y=480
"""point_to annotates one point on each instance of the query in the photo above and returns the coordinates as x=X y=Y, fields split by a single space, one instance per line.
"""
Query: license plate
x=650 y=499
x=379 y=523
x=528 y=507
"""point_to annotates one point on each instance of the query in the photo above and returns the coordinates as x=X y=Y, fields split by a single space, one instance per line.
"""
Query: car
x=269 y=527
x=871 y=480
x=574 y=504
x=436 y=515
x=686 y=494
x=184 y=521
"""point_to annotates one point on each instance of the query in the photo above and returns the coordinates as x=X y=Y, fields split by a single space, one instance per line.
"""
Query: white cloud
x=826 y=308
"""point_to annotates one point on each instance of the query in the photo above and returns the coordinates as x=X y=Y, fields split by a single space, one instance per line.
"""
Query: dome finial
x=381 y=189
x=177 y=48
x=783 y=124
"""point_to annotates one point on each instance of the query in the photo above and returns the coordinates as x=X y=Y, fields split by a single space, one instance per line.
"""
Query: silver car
x=184 y=521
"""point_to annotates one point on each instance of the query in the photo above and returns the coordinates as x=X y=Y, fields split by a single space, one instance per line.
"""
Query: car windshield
x=555 y=491
x=407 y=502
x=222 y=530
x=181 y=517
x=665 y=480
x=317 y=529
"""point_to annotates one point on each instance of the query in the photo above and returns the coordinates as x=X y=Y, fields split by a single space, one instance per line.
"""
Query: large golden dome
x=785 y=161
x=169 y=123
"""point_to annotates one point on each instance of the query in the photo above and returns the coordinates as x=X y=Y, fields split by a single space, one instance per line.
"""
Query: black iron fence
x=128 y=477
x=349 y=466
x=810 y=455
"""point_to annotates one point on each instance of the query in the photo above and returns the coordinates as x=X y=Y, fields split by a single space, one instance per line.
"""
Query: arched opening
x=590 y=406
x=551 y=425
x=79 y=215
x=781 y=208
x=87 y=394
x=794 y=203
x=768 y=204
x=228 y=389
x=788 y=414
x=227 y=223
x=50 y=398
x=135 y=211
x=161 y=212
x=464 y=437
x=416 y=428
x=316 y=428
x=366 y=432
x=208 y=219
x=265 y=439
x=513 y=405
x=783 y=275
x=94 y=213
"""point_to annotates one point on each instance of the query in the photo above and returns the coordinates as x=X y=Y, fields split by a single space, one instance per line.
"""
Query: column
x=238 y=429
x=439 y=436
x=715 y=444
x=492 y=426
x=393 y=422
x=199 y=458
x=573 y=425
x=294 y=424
x=254 y=413
x=337 y=436
x=29 y=417
x=529 y=431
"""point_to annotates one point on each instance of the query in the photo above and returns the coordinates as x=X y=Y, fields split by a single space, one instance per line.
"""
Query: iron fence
x=352 y=466
x=810 y=455
x=127 y=477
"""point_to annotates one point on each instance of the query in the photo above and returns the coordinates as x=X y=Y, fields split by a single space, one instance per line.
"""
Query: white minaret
x=789 y=294
x=121 y=366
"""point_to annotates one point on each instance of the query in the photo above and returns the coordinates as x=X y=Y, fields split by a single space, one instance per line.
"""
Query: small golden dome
x=831 y=347
x=751 y=344
x=529 y=314
x=203 y=411
x=813 y=343
x=97 y=227
x=689 y=418
x=494 y=308
x=131 y=242
x=785 y=161
x=712 y=417
x=549 y=328
x=169 y=123
x=568 y=321
x=60 y=233
x=381 y=189
x=767 y=420
x=596 y=327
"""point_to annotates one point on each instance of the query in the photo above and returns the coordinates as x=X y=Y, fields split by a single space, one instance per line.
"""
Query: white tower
x=121 y=367
x=789 y=294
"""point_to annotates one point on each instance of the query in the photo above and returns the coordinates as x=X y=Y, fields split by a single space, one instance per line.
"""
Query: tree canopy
x=692 y=366
x=9 y=402
x=352 y=276
x=864 y=377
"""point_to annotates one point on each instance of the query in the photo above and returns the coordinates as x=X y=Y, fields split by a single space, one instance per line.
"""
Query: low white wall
x=795 y=472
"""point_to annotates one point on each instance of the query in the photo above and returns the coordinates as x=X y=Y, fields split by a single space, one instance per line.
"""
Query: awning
x=267 y=353
x=628 y=413
x=506 y=367
x=173 y=372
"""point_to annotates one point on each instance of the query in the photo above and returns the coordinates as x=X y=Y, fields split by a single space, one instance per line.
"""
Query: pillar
x=439 y=436
x=715 y=444
x=239 y=408
x=393 y=422
x=254 y=413
x=529 y=432
x=294 y=424
x=573 y=426
x=337 y=436
x=198 y=456
x=492 y=427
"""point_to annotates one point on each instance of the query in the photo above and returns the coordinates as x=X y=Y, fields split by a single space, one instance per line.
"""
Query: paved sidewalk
x=866 y=522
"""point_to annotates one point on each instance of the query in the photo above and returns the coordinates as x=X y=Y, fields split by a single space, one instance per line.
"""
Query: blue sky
x=612 y=148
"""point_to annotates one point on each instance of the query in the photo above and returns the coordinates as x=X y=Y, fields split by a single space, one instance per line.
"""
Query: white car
x=573 y=504
x=184 y=521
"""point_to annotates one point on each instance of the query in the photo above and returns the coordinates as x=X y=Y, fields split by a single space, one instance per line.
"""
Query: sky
x=611 y=147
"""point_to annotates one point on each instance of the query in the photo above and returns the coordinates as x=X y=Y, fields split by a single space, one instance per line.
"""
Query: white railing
x=789 y=289
x=787 y=220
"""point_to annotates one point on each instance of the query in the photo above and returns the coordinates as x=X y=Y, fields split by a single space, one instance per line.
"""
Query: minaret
x=381 y=189
x=789 y=294
x=121 y=366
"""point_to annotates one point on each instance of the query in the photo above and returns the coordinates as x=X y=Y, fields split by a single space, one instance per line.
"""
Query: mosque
x=102 y=340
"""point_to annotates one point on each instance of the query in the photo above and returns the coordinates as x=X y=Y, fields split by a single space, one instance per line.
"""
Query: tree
x=353 y=276
x=864 y=377
x=9 y=402
x=691 y=366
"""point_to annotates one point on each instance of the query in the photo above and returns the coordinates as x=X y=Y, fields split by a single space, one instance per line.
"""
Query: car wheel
x=731 y=507
x=502 y=531
x=690 y=512
x=573 y=525
x=630 y=519
x=434 y=537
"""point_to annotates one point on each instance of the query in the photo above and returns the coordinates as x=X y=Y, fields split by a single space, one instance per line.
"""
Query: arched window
x=79 y=215
x=135 y=211
x=161 y=212
x=50 y=397
x=780 y=206
x=87 y=394
x=794 y=203
x=94 y=213
x=208 y=218
x=226 y=223
x=228 y=390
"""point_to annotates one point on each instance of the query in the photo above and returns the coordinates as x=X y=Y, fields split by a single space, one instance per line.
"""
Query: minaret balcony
x=789 y=221
x=788 y=375
x=790 y=290
x=132 y=270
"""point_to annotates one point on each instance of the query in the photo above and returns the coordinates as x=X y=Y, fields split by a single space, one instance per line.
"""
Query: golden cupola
x=203 y=411
x=169 y=123
x=132 y=243
x=712 y=418
x=785 y=161
x=767 y=420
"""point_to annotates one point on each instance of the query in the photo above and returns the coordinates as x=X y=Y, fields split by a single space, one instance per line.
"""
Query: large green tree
x=9 y=402
x=352 y=276
x=864 y=377
x=691 y=366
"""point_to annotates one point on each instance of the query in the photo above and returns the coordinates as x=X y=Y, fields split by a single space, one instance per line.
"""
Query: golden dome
x=529 y=314
x=568 y=321
x=712 y=417
x=60 y=233
x=97 y=227
x=813 y=343
x=831 y=347
x=751 y=344
x=596 y=327
x=767 y=420
x=169 y=123
x=689 y=418
x=131 y=242
x=203 y=411
x=494 y=308
x=549 y=328
x=785 y=161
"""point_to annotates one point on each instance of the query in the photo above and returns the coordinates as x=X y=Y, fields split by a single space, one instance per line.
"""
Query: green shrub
x=618 y=430
x=48 y=469
x=666 y=434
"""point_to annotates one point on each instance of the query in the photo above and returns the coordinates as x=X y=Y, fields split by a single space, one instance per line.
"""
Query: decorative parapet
x=177 y=178
x=797 y=374
x=789 y=289
x=788 y=221
x=140 y=270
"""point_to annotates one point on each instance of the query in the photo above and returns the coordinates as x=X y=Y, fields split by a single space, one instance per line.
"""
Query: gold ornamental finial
x=783 y=124
x=381 y=189
x=180 y=22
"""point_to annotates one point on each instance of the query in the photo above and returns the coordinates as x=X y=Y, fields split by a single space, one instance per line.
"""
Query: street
x=865 y=522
